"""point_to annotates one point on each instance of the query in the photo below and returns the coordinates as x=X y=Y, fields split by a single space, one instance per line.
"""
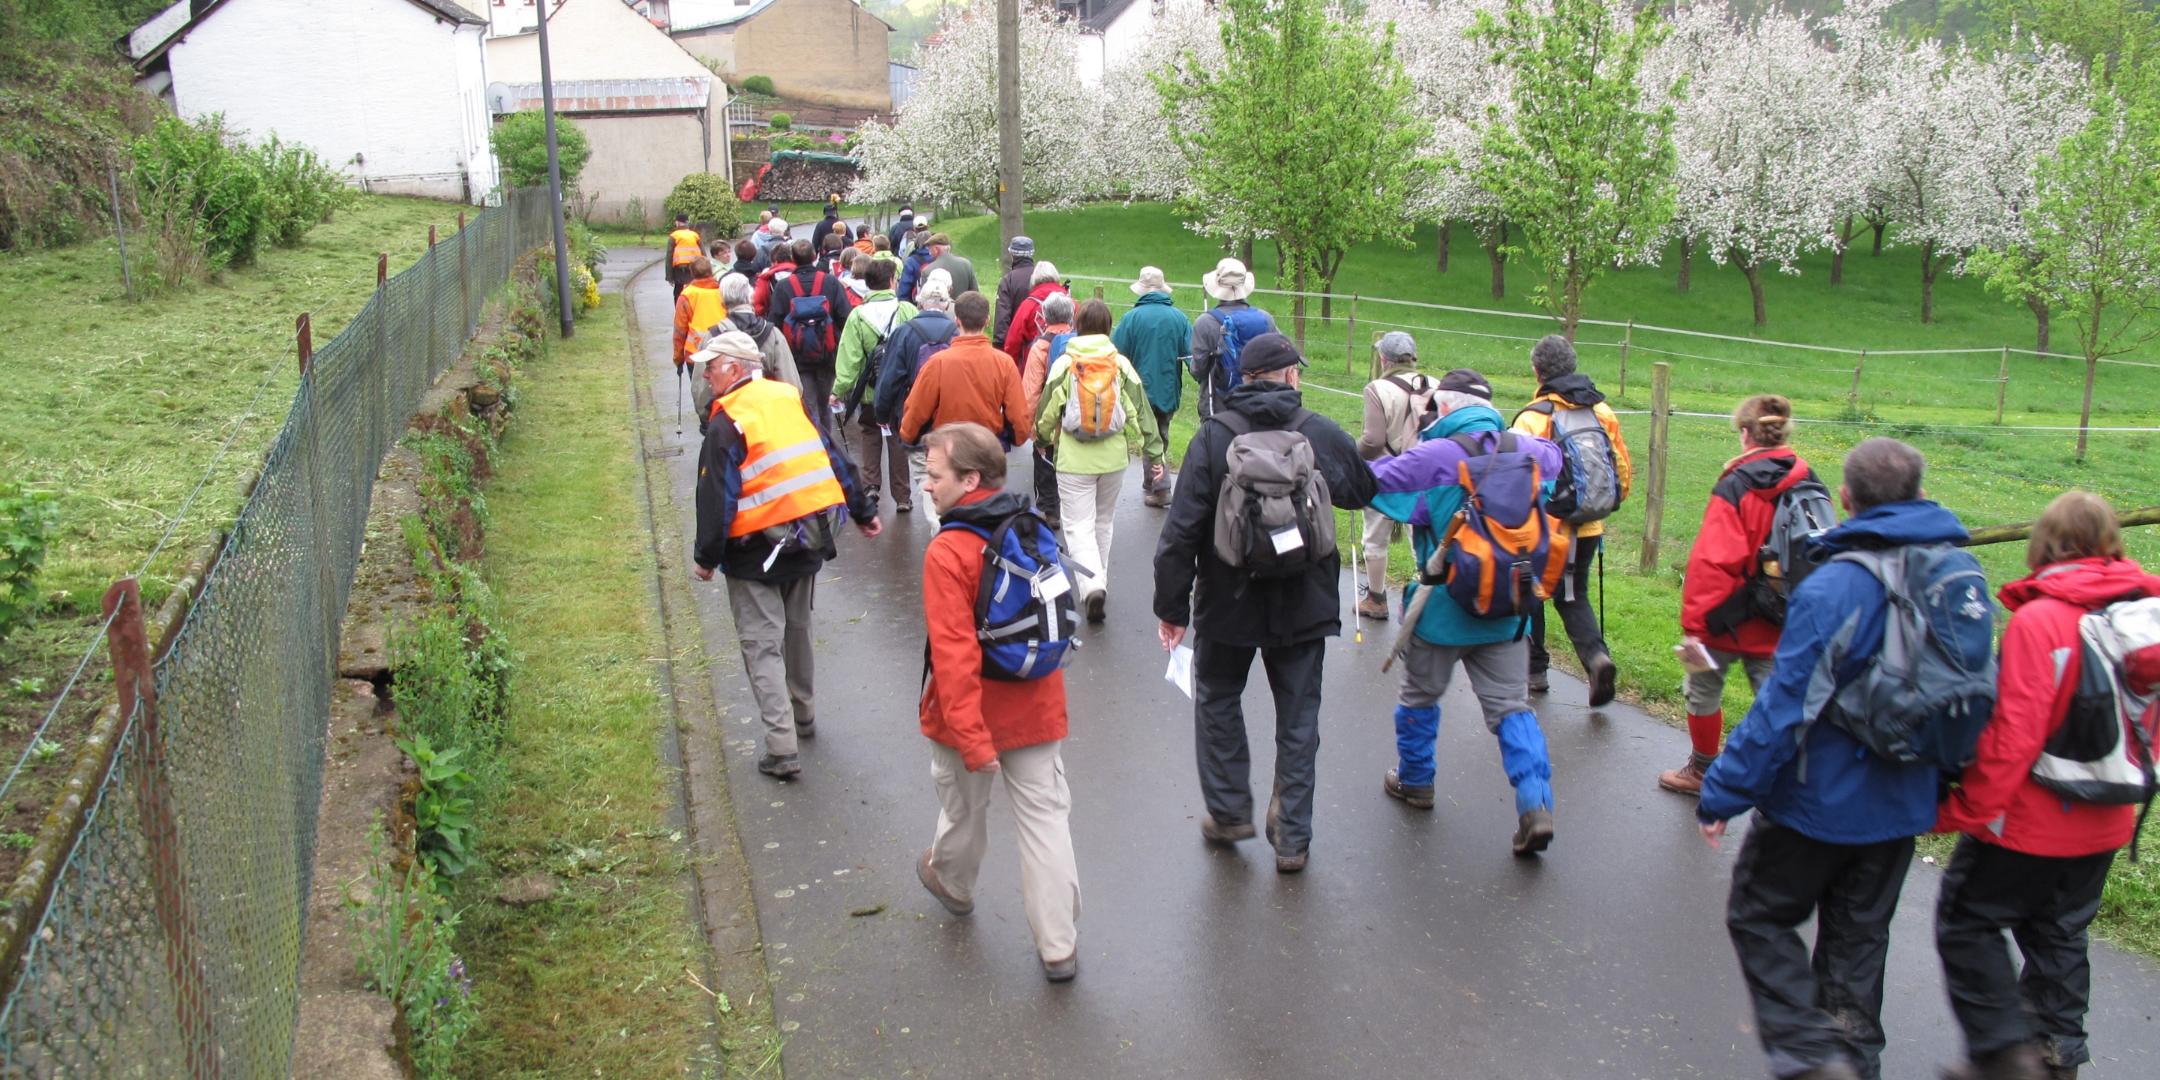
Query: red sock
x=1705 y=731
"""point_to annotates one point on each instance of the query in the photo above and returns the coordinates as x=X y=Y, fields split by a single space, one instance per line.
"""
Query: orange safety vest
x=686 y=247
x=706 y=311
x=785 y=473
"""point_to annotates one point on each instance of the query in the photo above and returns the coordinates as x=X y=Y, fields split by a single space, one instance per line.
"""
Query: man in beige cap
x=1220 y=333
x=1156 y=337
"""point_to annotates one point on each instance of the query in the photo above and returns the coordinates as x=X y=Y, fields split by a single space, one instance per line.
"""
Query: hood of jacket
x=1020 y=262
x=1093 y=346
x=1465 y=420
x=1267 y=404
x=749 y=322
x=2085 y=583
x=1919 y=521
x=1575 y=389
x=1161 y=298
x=986 y=513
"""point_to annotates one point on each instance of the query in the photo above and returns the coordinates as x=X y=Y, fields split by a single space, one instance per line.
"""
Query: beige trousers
x=1034 y=779
x=1380 y=531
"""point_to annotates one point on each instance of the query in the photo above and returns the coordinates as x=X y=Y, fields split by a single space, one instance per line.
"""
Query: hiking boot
x=1687 y=779
x=1095 y=602
x=779 y=766
x=1538 y=682
x=1418 y=795
x=1533 y=831
x=1285 y=862
x=1224 y=835
x=1835 y=1070
x=1373 y=605
x=930 y=881
x=1156 y=499
x=2019 y=1062
x=1601 y=673
x=902 y=507
x=1062 y=970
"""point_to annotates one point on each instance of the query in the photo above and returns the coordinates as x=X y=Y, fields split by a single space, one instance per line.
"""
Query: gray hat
x=1020 y=245
x=733 y=344
x=1397 y=347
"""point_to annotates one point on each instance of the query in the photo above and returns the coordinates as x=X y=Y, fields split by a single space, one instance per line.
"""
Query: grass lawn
x=1987 y=476
x=118 y=407
x=593 y=981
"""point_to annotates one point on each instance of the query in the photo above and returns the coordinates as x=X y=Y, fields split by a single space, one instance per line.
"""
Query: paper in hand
x=1180 y=672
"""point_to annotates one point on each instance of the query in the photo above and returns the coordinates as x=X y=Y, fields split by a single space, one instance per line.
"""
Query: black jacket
x=898 y=376
x=1012 y=289
x=719 y=484
x=750 y=268
x=1227 y=606
x=905 y=225
x=1576 y=389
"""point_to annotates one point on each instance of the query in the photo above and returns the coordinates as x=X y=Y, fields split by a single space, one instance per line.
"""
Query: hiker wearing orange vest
x=684 y=247
x=769 y=485
x=697 y=308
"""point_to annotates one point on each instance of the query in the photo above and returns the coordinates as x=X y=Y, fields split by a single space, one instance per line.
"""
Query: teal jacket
x=1156 y=337
x=1444 y=622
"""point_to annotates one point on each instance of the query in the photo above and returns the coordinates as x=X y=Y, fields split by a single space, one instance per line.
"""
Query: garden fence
x=157 y=930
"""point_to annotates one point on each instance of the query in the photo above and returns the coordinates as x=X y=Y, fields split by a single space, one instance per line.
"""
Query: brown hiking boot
x=1533 y=832
x=1418 y=795
x=1224 y=835
x=1373 y=605
x=1285 y=862
x=1687 y=779
x=2020 y=1062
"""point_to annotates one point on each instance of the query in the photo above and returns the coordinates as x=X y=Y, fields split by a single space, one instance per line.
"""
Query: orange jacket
x=1540 y=424
x=976 y=716
x=696 y=311
x=968 y=381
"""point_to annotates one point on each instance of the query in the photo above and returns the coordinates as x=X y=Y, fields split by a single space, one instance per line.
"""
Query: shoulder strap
x=1237 y=422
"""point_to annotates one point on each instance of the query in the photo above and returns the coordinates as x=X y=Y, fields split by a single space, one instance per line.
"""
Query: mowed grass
x=595 y=980
x=1942 y=405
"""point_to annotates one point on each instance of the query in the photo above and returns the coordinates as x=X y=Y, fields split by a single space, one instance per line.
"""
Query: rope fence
x=156 y=929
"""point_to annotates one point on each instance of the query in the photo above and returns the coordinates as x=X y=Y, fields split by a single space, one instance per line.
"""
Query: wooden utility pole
x=1008 y=117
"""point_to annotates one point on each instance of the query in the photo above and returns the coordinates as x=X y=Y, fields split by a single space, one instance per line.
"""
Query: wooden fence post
x=2002 y=384
x=1852 y=396
x=1660 y=453
x=1349 y=345
x=1627 y=338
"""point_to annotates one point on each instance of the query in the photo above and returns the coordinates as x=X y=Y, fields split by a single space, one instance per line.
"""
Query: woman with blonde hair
x=2031 y=859
x=1717 y=608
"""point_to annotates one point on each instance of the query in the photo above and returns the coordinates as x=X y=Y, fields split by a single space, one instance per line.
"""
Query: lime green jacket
x=1101 y=456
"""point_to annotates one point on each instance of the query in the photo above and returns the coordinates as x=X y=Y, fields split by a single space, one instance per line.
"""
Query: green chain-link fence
x=171 y=941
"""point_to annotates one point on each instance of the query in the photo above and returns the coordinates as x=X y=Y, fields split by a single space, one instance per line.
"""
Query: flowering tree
x=1140 y=160
x=943 y=145
x=1760 y=137
x=1867 y=56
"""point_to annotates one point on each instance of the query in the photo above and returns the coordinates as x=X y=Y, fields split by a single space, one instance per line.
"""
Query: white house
x=1109 y=31
x=391 y=92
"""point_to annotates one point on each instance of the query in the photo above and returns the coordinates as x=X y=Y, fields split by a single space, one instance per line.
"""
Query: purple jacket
x=1435 y=463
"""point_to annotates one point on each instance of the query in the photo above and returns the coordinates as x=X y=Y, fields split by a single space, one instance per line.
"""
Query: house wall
x=376 y=87
x=1101 y=51
x=592 y=39
x=827 y=51
x=641 y=155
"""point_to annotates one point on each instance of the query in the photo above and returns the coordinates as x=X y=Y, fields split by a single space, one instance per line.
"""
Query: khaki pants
x=1706 y=689
x=1034 y=778
x=1380 y=531
x=773 y=624
x=1086 y=505
x=918 y=464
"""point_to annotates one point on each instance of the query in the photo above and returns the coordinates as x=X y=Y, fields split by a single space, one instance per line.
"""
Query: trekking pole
x=1601 y=586
x=679 y=379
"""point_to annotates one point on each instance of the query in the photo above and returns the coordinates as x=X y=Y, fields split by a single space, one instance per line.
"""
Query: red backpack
x=809 y=322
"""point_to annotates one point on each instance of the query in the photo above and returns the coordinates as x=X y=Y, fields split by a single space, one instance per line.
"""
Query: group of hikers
x=1882 y=709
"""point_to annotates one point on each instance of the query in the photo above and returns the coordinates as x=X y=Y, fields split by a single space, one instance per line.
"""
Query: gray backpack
x=1588 y=487
x=1273 y=517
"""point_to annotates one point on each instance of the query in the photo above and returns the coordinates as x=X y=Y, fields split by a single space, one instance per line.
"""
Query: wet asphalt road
x=1415 y=944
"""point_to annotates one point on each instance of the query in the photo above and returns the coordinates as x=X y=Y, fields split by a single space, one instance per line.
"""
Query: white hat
x=1151 y=280
x=1228 y=281
x=777 y=227
x=734 y=344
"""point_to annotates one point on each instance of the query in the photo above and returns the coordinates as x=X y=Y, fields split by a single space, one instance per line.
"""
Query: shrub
x=780 y=121
x=71 y=108
x=26 y=519
x=709 y=202
x=758 y=84
x=442 y=808
x=521 y=146
x=199 y=190
x=301 y=191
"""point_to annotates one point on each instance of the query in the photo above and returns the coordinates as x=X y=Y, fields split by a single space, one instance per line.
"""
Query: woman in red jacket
x=1712 y=608
x=2032 y=861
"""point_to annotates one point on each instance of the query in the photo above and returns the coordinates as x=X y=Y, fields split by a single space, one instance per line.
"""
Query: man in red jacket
x=986 y=728
x=2032 y=861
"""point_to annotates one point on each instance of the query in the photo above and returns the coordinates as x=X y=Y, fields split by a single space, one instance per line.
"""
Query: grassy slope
x=591 y=982
x=1987 y=478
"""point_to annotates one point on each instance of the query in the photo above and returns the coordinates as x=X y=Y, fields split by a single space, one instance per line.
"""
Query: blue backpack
x=1930 y=688
x=1239 y=325
x=1025 y=615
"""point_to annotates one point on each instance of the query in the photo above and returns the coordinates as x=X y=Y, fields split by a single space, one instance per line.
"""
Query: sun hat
x=1151 y=280
x=936 y=287
x=1020 y=245
x=1228 y=281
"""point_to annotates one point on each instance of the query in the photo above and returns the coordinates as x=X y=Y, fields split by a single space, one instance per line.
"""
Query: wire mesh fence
x=165 y=937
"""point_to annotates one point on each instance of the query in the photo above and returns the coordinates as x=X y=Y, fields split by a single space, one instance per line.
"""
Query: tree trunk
x=1297 y=304
x=1687 y=261
x=1752 y=270
x=1878 y=224
x=1837 y=257
x=2092 y=367
x=1245 y=252
x=1571 y=302
x=1927 y=282
x=1496 y=235
x=2039 y=308
x=1443 y=245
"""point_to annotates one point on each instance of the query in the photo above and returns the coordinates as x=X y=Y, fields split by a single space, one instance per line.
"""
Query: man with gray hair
x=1398 y=407
x=1569 y=411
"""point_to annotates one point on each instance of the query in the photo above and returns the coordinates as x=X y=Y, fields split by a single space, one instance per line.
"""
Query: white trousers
x=1087 y=504
x=1034 y=779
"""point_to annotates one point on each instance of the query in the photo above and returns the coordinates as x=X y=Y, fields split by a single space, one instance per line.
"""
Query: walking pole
x=678 y=398
x=1601 y=585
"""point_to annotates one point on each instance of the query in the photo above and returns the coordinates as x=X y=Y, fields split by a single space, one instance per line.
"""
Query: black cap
x=1467 y=381
x=1268 y=352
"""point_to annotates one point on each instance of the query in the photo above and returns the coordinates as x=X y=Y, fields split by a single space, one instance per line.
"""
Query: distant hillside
x=912 y=21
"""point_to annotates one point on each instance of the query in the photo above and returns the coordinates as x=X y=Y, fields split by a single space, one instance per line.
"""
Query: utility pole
x=1008 y=117
x=555 y=194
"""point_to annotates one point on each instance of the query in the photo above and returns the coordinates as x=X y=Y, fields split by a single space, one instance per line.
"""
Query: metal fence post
x=464 y=282
x=136 y=689
x=379 y=386
x=2002 y=384
x=1660 y=451
x=433 y=306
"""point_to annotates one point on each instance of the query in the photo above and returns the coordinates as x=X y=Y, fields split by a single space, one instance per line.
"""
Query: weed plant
x=406 y=934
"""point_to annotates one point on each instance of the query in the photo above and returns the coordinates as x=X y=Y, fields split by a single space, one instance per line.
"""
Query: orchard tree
x=1586 y=167
x=1867 y=57
x=1760 y=136
x=2093 y=246
x=1459 y=90
x=1305 y=134
x=943 y=146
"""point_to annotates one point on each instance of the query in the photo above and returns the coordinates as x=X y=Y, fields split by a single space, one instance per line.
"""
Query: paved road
x=1414 y=945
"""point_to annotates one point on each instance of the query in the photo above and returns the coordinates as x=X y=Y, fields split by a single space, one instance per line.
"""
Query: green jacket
x=1157 y=338
x=1102 y=455
x=866 y=328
